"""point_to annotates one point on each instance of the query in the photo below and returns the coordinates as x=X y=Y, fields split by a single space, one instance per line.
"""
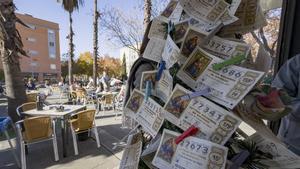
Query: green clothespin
x=234 y=60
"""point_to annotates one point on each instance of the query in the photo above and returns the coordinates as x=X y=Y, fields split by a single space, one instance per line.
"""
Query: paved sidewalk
x=41 y=155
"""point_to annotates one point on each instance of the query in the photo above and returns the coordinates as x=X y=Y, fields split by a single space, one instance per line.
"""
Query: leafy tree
x=84 y=64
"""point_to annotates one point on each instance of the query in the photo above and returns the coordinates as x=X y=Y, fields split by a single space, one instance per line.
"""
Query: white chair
x=83 y=121
x=34 y=130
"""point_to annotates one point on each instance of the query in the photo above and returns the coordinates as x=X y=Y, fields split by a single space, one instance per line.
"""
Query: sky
x=82 y=22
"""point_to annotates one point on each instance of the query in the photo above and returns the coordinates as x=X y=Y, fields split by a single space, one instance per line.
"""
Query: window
x=51 y=55
x=33 y=64
x=51 y=44
x=53 y=66
x=32 y=52
x=31 y=39
x=50 y=31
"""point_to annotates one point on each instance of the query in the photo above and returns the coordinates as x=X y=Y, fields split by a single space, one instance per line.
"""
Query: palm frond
x=71 y=5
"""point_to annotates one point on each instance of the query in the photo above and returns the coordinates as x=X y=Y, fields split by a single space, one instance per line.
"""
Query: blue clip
x=148 y=90
x=190 y=96
x=239 y=159
x=162 y=67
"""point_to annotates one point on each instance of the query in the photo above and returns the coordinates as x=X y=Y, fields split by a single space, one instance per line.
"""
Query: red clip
x=189 y=132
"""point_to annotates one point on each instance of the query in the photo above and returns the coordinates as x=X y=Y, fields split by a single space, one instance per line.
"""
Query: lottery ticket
x=150 y=116
x=214 y=122
x=282 y=157
x=132 y=152
x=250 y=18
x=229 y=85
x=162 y=88
x=206 y=10
x=192 y=39
x=154 y=49
x=171 y=53
x=134 y=103
x=158 y=29
x=191 y=153
x=226 y=49
x=172 y=12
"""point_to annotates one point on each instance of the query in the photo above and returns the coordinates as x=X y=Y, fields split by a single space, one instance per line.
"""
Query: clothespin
x=189 y=132
x=234 y=60
x=148 y=90
x=190 y=96
x=239 y=159
x=162 y=67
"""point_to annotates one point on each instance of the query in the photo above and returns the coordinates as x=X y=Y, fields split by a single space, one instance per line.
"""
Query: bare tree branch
x=123 y=29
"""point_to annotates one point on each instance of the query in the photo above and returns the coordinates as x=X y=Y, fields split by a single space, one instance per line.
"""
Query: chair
x=31 y=97
x=4 y=123
x=81 y=96
x=25 y=107
x=106 y=101
x=82 y=122
x=34 y=130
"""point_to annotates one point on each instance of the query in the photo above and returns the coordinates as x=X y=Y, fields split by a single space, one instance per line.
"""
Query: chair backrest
x=36 y=128
x=108 y=99
x=31 y=97
x=26 y=107
x=81 y=94
x=85 y=120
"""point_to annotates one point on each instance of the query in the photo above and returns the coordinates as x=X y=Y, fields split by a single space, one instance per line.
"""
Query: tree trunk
x=95 y=66
x=71 y=50
x=10 y=46
x=147 y=12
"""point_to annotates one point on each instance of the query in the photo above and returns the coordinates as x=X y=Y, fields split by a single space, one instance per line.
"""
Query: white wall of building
x=130 y=56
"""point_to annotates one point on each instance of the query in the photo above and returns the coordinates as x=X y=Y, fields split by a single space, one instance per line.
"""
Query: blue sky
x=83 y=19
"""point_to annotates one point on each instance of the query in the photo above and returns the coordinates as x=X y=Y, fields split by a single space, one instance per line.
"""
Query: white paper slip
x=191 y=153
x=158 y=29
x=162 y=88
x=206 y=10
x=134 y=103
x=154 y=49
x=229 y=85
x=132 y=152
x=172 y=12
x=171 y=53
x=282 y=156
x=150 y=117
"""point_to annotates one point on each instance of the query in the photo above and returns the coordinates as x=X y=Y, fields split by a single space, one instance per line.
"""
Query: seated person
x=288 y=78
x=30 y=85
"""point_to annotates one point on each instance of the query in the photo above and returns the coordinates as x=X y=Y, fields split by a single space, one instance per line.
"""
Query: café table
x=63 y=116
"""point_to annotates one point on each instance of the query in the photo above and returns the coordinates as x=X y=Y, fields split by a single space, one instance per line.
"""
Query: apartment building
x=41 y=42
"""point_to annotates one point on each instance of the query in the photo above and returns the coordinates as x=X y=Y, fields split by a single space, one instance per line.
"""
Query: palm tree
x=95 y=66
x=147 y=12
x=70 y=6
x=10 y=48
